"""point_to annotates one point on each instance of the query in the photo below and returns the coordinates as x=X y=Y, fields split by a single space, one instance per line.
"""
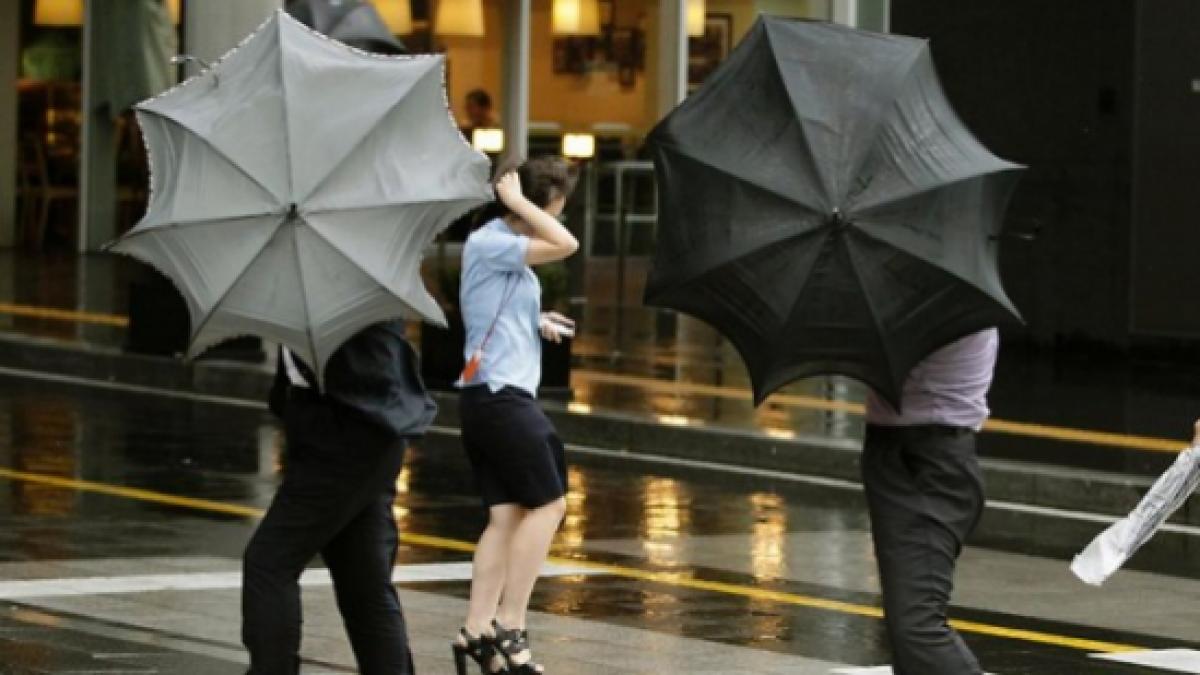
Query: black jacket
x=374 y=378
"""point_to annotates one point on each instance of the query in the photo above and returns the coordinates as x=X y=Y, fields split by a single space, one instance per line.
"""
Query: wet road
x=635 y=359
x=772 y=567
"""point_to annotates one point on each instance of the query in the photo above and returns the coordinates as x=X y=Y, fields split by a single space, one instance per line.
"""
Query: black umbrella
x=823 y=207
x=354 y=22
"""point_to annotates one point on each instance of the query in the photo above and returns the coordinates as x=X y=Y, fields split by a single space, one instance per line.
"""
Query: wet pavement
x=675 y=370
x=106 y=567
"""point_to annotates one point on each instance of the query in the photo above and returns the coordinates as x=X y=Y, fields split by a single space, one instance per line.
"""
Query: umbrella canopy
x=355 y=22
x=822 y=207
x=280 y=211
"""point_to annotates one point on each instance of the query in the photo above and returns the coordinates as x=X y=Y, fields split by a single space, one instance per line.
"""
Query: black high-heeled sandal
x=512 y=641
x=482 y=651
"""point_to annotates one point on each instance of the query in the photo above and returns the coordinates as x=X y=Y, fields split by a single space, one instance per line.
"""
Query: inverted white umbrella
x=1111 y=548
x=295 y=185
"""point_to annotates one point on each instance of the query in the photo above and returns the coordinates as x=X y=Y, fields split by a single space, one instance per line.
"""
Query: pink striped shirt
x=949 y=387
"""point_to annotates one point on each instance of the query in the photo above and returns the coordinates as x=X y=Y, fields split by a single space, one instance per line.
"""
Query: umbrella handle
x=185 y=58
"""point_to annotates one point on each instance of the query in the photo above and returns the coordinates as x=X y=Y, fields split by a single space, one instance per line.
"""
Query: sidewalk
x=181 y=615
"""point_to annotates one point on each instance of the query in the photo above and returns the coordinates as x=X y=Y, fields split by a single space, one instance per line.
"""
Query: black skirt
x=514 y=449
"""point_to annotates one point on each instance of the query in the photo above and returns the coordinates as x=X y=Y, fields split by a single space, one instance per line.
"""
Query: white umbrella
x=295 y=185
x=1111 y=548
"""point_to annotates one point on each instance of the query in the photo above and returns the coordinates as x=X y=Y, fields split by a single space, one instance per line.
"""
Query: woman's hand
x=555 y=326
x=508 y=190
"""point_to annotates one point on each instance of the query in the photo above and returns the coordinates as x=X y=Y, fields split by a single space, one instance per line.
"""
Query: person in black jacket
x=345 y=448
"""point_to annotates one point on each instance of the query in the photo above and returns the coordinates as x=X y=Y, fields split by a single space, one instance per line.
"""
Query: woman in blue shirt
x=515 y=453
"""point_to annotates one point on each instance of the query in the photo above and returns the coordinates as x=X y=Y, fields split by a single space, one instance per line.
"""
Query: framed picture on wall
x=618 y=50
x=573 y=55
x=707 y=51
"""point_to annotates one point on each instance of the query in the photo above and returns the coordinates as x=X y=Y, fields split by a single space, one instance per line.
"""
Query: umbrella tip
x=205 y=66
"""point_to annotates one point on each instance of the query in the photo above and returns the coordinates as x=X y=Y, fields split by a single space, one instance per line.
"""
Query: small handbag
x=472 y=367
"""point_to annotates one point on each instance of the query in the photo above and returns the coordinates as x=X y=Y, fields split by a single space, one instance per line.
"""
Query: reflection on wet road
x=784 y=569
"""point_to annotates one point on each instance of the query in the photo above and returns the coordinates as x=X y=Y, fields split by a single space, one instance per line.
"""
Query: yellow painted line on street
x=64 y=315
x=998 y=426
x=1085 y=436
x=676 y=579
x=131 y=493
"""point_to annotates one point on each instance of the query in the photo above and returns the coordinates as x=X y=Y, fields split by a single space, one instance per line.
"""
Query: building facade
x=72 y=172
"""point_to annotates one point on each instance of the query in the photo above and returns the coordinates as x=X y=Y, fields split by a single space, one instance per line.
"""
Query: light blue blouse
x=494 y=267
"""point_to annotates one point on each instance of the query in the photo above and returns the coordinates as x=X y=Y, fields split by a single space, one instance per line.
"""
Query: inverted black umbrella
x=824 y=208
x=354 y=22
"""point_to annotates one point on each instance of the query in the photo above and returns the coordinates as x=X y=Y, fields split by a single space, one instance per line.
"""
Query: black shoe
x=512 y=641
x=482 y=651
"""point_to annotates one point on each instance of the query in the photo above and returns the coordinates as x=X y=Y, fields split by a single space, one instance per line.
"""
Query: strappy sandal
x=481 y=650
x=512 y=641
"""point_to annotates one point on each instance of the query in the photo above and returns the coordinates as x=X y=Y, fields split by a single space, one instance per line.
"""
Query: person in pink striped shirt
x=925 y=495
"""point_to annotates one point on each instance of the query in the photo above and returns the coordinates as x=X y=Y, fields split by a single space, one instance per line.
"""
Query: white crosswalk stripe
x=1171 y=660
x=868 y=670
x=141 y=583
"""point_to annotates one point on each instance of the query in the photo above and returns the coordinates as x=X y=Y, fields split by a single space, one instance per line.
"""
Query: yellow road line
x=64 y=315
x=678 y=580
x=132 y=493
x=1085 y=436
x=816 y=403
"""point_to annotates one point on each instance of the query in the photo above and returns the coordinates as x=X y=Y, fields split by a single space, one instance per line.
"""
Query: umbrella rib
x=388 y=205
x=741 y=179
x=809 y=156
x=287 y=118
x=176 y=224
x=889 y=200
x=215 y=149
x=908 y=69
x=312 y=343
x=258 y=254
x=361 y=141
x=951 y=273
x=889 y=360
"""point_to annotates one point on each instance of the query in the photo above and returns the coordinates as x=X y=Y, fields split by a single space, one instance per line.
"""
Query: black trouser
x=925 y=495
x=339 y=483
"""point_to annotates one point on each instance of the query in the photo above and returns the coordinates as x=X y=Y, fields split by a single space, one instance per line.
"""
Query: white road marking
x=203 y=581
x=1173 y=660
x=868 y=670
